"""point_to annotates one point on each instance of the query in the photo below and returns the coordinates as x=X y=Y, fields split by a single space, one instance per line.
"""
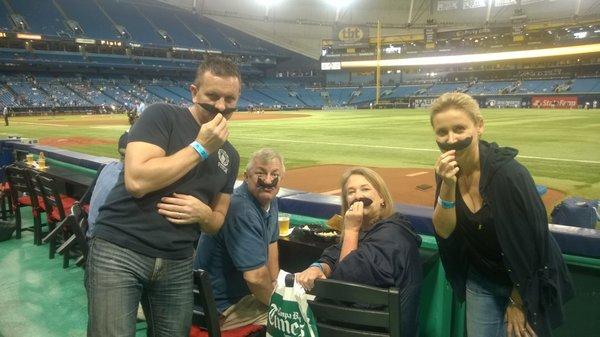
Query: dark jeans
x=486 y=306
x=117 y=279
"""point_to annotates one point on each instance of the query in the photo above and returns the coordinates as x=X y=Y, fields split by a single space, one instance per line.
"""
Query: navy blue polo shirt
x=241 y=245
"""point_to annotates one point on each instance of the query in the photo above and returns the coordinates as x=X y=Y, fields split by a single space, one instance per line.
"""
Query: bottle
x=42 y=161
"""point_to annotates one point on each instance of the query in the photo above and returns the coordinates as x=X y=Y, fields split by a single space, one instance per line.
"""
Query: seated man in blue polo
x=106 y=180
x=242 y=258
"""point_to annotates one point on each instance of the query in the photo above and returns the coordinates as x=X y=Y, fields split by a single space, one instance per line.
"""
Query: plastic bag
x=289 y=314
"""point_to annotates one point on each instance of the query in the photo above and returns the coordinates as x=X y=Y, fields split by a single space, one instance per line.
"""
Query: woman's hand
x=308 y=276
x=517 y=325
x=353 y=218
x=447 y=167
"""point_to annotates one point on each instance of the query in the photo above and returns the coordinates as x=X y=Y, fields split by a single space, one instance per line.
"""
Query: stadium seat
x=23 y=195
x=206 y=320
x=56 y=204
x=339 y=309
x=5 y=203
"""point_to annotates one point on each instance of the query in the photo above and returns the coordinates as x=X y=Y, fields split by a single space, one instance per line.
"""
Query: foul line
x=332 y=192
x=405 y=148
x=341 y=144
x=47 y=124
x=416 y=174
x=561 y=159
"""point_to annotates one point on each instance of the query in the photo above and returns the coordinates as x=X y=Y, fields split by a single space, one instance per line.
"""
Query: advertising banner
x=558 y=102
x=350 y=36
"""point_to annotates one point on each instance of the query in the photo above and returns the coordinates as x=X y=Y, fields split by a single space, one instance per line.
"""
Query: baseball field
x=559 y=147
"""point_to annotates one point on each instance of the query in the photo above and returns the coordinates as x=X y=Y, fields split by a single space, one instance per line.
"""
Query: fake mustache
x=213 y=110
x=366 y=201
x=262 y=184
x=458 y=146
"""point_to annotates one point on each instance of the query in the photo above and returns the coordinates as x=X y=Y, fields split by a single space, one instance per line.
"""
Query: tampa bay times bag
x=289 y=314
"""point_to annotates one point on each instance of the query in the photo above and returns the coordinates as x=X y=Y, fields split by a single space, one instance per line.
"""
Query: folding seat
x=55 y=204
x=206 y=321
x=22 y=194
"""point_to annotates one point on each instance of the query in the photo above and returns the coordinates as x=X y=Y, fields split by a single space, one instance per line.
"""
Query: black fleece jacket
x=532 y=257
x=387 y=256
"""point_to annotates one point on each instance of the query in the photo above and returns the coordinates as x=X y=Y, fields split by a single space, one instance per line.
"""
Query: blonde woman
x=379 y=246
x=492 y=229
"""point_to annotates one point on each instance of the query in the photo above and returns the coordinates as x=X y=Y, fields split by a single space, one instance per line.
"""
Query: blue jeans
x=117 y=279
x=486 y=306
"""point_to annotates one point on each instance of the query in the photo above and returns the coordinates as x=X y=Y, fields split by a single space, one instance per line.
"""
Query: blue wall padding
x=419 y=216
x=311 y=204
x=577 y=241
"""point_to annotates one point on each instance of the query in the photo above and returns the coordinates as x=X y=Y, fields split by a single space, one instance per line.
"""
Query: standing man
x=242 y=258
x=178 y=177
x=140 y=108
x=5 y=115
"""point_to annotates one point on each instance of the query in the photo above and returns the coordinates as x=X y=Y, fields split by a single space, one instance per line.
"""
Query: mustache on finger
x=261 y=183
x=214 y=111
x=458 y=146
x=366 y=201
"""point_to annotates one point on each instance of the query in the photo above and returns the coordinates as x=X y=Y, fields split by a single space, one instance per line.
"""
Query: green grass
x=386 y=138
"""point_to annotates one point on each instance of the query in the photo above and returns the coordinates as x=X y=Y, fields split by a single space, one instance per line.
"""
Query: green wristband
x=318 y=265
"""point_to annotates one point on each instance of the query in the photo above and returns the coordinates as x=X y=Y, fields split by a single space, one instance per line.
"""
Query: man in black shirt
x=178 y=177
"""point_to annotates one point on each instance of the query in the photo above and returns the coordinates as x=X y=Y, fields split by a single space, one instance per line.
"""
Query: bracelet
x=445 y=203
x=318 y=265
x=200 y=149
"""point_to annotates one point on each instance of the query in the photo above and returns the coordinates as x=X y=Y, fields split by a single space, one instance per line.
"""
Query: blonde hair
x=458 y=101
x=378 y=184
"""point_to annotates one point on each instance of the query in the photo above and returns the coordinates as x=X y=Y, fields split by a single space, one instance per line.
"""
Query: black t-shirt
x=135 y=223
x=484 y=251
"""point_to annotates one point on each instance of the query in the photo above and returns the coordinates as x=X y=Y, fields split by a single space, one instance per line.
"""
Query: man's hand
x=307 y=277
x=447 y=167
x=213 y=134
x=183 y=209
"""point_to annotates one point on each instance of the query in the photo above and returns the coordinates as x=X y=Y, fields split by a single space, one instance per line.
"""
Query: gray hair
x=264 y=156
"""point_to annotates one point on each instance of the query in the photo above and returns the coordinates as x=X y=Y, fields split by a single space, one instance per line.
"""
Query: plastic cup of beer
x=284 y=224
x=29 y=159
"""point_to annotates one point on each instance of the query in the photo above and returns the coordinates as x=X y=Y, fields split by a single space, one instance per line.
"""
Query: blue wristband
x=445 y=203
x=318 y=265
x=200 y=149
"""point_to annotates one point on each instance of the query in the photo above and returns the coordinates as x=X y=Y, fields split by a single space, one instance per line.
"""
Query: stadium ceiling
x=301 y=25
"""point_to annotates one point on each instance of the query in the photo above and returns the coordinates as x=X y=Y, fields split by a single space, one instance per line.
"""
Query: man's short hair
x=264 y=156
x=122 y=143
x=218 y=66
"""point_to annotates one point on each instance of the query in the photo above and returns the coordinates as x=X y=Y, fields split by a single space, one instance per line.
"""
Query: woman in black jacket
x=379 y=246
x=492 y=230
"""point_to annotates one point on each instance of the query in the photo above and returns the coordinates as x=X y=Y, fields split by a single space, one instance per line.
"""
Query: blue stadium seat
x=41 y=15
x=89 y=16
